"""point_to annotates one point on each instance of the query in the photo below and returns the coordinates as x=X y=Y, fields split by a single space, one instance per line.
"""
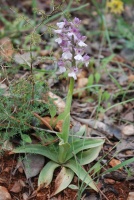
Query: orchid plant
x=72 y=151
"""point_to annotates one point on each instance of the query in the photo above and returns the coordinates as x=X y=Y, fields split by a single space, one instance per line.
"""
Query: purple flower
x=67 y=55
x=73 y=46
x=60 y=24
x=86 y=60
x=62 y=69
x=78 y=57
x=76 y=21
x=58 y=31
x=82 y=44
x=73 y=73
x=58 y=40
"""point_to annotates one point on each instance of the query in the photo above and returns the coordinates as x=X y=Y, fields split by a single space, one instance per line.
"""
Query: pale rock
x=128 y=130
x=59 y=103
x=130 y=196
x=114 y=162
x=4 y=194
x=24 y=58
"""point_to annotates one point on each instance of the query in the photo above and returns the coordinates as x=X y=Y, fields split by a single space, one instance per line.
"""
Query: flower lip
x=61 y=24
x=67 y=55
x=82 y=44
x=58 y=31
x=58 y=40
x=78 y=57
x=72 y=74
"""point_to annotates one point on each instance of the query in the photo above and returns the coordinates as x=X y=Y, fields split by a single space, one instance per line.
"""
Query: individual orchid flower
x=78 y=57
x=73 y=73
x=58 y=40
x=86 y=59
x=67 y=55
x=82 y=44
x=60 y=24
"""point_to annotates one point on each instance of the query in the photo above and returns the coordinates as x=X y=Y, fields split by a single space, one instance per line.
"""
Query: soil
x=111 y=190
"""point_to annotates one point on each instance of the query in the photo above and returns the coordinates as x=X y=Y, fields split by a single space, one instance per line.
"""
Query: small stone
x=128 y=130
x=25 y=196
x=114 y=162
x=4 y=194
x=130 y=196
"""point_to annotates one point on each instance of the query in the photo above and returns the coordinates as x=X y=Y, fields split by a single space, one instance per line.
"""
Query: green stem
x=66 y=125
x=64 y=145
x=69 y=95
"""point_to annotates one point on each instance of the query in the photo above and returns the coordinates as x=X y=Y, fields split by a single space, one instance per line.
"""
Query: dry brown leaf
x=131 y=78
x=58 y=125
x=82 y=74
x=17 y=187
x=129 y=116
x=109 y=181
x=6 y=48
x=118 y=58
x=45 y=52
x=82 y=82
x=43 y=121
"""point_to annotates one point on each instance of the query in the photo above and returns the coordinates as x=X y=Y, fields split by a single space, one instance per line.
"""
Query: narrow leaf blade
x=83 y=144
x=37 y=149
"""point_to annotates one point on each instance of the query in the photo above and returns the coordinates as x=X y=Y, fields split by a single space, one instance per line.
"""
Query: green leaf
x=26 y=138
x=105 y=96
x=52 y=110
x=97 y=77
x=63 y=179
x=88 y=156
x=81 y=173
x=73 y=187
x=124 y=163
x=90 y=80
x=106 y=60
x=83 y=144
x=46 y=174
x=38 y=149
x=81 y=132
x=65 y=128
x=63 y=149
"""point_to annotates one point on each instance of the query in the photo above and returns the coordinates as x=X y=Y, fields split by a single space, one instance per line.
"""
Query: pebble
x=4 y=194
x=114 y=162
x=128 y=130
x=130 y=196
